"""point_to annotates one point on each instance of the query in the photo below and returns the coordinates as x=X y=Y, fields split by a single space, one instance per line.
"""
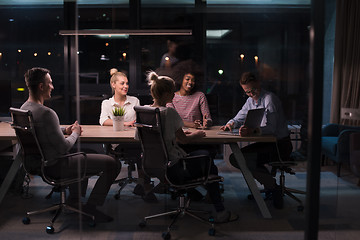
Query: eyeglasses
x=252 y=91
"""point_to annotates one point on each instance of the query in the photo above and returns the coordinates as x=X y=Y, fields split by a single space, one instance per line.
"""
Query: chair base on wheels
x=61 y=207
x=285 y=167
x=181 y=210
x=285 y=191
x=289 y=192
x=125 y=181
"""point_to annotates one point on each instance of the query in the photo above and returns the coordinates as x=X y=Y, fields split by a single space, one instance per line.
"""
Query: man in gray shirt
x=54 y=144
x=274 y=123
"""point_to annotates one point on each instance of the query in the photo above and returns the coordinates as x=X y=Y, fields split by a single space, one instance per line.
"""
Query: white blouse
x=109 y=104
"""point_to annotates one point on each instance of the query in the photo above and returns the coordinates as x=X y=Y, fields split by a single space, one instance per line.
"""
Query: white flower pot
x=118 y=123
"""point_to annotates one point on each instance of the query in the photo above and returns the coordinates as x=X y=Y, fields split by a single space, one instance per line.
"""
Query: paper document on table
x=234 y=132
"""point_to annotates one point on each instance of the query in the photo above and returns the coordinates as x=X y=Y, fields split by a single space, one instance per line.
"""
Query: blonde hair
x=159 y=85
x=115 y=75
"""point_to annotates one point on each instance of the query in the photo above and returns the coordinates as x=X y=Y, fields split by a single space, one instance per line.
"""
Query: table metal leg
x=250 y=181
x=10 y=175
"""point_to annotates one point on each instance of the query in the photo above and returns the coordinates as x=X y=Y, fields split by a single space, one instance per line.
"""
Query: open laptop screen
x=254 y=117
x=253 y=120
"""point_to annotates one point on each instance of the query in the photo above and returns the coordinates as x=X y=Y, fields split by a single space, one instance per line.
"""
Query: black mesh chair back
x=155 y=158
x=34 y=162
x=155 y=162
x=32 y=155
x=33 y=158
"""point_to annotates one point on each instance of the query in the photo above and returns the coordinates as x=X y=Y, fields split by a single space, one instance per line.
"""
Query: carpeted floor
x=339 y=213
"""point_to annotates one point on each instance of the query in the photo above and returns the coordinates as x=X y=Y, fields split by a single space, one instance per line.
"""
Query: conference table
x=106 y=134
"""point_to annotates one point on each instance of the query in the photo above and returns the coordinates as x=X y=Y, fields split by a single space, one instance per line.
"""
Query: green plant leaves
x=118 y=111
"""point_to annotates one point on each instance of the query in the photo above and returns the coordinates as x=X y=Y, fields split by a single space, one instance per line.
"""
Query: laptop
x=253 y=120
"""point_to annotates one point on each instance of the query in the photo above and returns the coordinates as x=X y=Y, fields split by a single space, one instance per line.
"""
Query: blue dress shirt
x=273 y=122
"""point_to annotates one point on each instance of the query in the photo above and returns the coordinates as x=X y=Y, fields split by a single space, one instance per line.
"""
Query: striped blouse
x=191 y=107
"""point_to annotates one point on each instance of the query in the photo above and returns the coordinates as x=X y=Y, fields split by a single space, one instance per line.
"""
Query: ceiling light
x=217 y=34
x=116 y=32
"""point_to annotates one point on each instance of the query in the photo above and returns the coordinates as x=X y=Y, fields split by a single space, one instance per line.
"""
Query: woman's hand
x=187 y=131
x=129 y=124
x=204 y=124
x=188 y=137
x=197 y=124
x=197 y=134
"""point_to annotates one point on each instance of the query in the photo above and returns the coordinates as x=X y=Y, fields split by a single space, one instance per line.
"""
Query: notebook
x=252 y=120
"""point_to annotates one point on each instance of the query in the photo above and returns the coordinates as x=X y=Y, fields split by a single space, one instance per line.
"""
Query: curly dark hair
x=182 y=68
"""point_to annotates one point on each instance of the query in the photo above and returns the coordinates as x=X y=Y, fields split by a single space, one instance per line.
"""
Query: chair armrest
x=283 y=164
x=354 y=141
x=107 y=148
x=201 y=180
x=330 y=130
x=207 y=163
x=72 y=180
x=72 y=154
x=344 y=142
x=195 y=157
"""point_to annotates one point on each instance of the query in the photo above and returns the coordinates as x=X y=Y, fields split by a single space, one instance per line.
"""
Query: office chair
x=285 y=167
x=355 y=155
x=155 y=161
x=34 y=161
x=335 y=139
x=128 y=159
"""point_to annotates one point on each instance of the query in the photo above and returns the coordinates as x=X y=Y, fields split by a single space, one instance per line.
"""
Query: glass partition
x=30 y=37
x=228 y=38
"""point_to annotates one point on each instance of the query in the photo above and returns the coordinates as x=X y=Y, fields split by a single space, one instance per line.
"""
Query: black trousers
x=96 y=163
x=195 y=169
x=258 y=154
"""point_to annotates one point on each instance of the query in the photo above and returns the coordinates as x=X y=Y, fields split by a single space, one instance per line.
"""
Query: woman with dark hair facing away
x=162 y=90
x=54 y=144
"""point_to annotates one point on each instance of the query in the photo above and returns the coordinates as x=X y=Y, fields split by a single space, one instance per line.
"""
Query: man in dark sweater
x=54 y=144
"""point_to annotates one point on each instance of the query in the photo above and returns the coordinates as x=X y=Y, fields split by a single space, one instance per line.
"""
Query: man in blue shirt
x=274 y=123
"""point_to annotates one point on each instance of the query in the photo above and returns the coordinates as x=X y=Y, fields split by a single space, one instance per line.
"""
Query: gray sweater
x=49 y=133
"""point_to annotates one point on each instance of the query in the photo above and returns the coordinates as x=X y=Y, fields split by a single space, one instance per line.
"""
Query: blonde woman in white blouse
x=120 y=87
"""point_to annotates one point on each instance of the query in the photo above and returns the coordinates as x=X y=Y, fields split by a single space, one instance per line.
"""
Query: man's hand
x=246 y=131
x=76 y=128
x=227 y=127
x=68 y=130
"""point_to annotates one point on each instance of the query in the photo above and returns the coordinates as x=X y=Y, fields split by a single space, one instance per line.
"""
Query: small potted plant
x=118 y=118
